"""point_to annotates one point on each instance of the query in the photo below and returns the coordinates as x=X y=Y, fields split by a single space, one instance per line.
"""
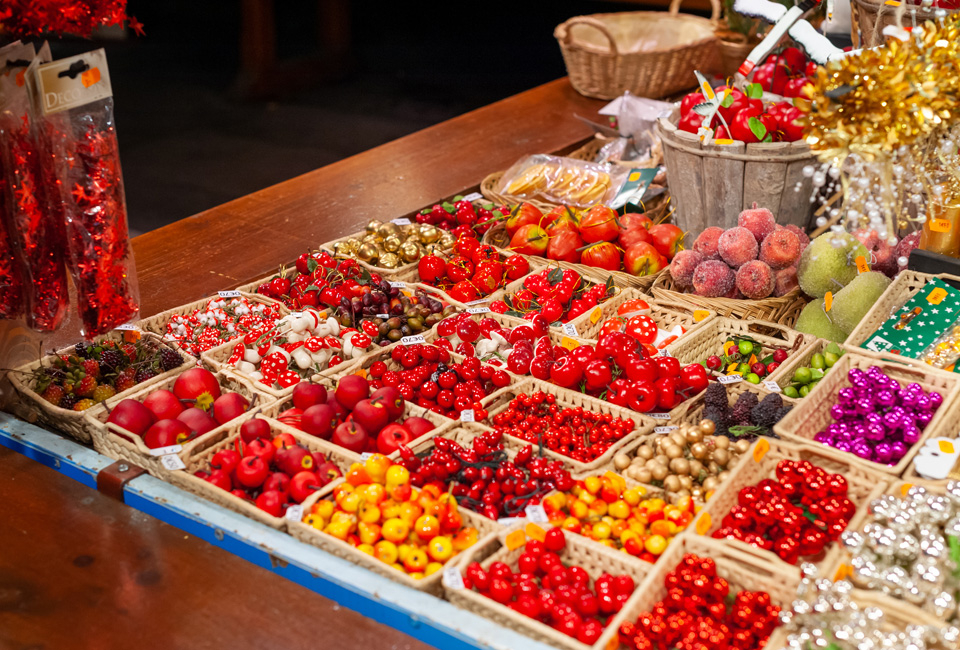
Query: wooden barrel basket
x=712 y=184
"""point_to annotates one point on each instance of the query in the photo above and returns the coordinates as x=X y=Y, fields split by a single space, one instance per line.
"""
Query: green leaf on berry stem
x=754 y=91
x=757 y=128
x=727 y=101
x=556 y=275
x=312 y=265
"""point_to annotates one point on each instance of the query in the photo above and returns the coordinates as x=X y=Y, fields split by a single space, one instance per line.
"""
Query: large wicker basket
x=649 y=53
x=711 y=184
x=709 y=338
x=869 y=17
x=783 y=310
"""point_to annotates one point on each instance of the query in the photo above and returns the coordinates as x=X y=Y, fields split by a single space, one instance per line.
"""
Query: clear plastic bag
x=556 y=179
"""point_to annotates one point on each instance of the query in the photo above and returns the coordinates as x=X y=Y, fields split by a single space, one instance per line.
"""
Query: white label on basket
x=510 y=521
x=410 y=340
x=536 y=514
x=127 y=327
x=570 y=329
x=478 y=310
x=365 y=455
x=172 y=462
x=452 y=578
x=294 y=512
x=399 y=285
x=659 y=416
x=467 y=415
x=402 y=221
x=473 y=196
x=228 y=294
x=383 y=315
x=296 y=314
x=730 y=379
x=772 y=386
x=477 y=302
x=163 y=451
x=666 y=429
x=664 y=352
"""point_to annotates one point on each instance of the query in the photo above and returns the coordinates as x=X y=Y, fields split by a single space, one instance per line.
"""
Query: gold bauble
x=410 y=252
x=352 y=244
x=342 y=249
x=389 y=261
x=373 y=225
x=429 y=233
x=371 y=238
x=387 y=229
x=447 y=239
x=432 y=249
x=368 y=253
x=392 y=244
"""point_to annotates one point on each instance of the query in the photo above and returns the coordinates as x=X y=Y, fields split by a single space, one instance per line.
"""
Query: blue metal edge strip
x=424 y=617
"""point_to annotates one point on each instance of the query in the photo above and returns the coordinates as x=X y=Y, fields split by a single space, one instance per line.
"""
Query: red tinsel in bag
x=11 y=289
x=80 y=140
x=75 y=17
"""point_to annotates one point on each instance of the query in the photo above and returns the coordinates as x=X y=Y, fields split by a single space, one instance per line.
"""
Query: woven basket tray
x=667 y=315
x=595 y=558
x=573 y=399
x=198 y=458
x=812 y=414
x=693 y=412
x=784 y=310
x=120 y=444
x=614 y=55
x=864 y=485
x=949 y=429
x=157 y=324
x=783 y=375
x=708 y=339
x=36 y=410
x=904 y=287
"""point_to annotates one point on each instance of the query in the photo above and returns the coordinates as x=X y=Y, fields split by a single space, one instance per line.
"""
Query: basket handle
x=593 y=22
x=714 y=11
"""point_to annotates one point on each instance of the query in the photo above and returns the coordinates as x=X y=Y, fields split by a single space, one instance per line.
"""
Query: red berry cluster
x=476 y=270
x=429 y=379
x=558 y=294
x=695 y=614
x=543 y=588
x=462 y=216
x=794 y=516
x=578 y=433
x=322 y=280
x=483 y=478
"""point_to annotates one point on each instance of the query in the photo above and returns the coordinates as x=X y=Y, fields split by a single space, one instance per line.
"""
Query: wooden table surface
x=78 y=570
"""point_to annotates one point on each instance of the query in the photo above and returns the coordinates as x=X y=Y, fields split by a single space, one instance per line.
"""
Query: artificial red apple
x=261 y=449
x=302 y=485
x=198 y=420
x=690 y=100
x=337 y=407
x=327 y=471
x=371 y=414
x=418 y=426
x=600 y=223
x=277 y=481
x=731 y=104
x=307 y=394
x=530 y=240
x=392 y=436
x=392 y=399
x=789 y=126
x=794 y=59
x=633 y=219
x=319 y=420
x=220 y=478
x=132 y=416
x=197 y=384
x=522 y=215
x=226 y=460
x=691 y=122
x=352 y=436
x=163 y=404
x=667 y=239
x=165 y=433
x=351 y=389
x=633 y=236
x=796 y=88
x=748 y=131
x=291 y=417
x=293 y=460
x=229 y=406
x=642 y=259
x=271 y=502
x=252 y=471
x=255 y=428
x=564 y=246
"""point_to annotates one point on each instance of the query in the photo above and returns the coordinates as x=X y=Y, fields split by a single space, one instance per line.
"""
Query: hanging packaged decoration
x=33 y=224
x=75 y=100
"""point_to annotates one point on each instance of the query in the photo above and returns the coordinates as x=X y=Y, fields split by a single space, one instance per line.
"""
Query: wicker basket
x=198 y=459
x=667 y=315
x=949 y=429
x=595 y=558
x=783 y=375
x=157 y=324
x=871 y=16
x=693 y=412
x=36 y=410
x=120 y=444
x=904 y=287
x=812 y=414
x=709 y=338
x=784 y=310
x=606 y=54
x=863 y=486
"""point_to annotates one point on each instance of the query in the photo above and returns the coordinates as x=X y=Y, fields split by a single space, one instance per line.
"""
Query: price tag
x=478 y=310
x=595 y=316
x=939 y=225
x=535 y=532
x=936 y=296
x=946 y=446
x=516 y=539
x=172 y=462
x=730 y=379
x=760 y=449
x=658 y=416
x=399 y=285
x=665 y=429
x=536 y=514
x=509 y=521
x=383 y=316
x=828 y=301
x=892 y=3
x=862 y=264
x=294 y=513
x=570 y=329
x=477 y=302
x=127 y=327
x=703 y=523
x=365 y=455
x=452 y=578
x=772 y=386
x=163 y=451
x=411 y=340
x=699 y=315
x=664 y=352
x=569 y=343
x=228 y=294
x=402 y=221
x=473 y=196
x=296 y=314
x=467 y=415
x=905 y=488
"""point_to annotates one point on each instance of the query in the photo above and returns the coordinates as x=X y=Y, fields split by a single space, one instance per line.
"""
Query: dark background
x=191 y=139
